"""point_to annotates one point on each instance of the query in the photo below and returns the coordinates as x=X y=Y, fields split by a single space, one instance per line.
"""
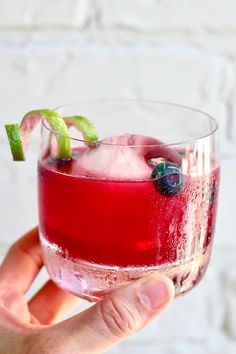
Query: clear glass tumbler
x=142 y=199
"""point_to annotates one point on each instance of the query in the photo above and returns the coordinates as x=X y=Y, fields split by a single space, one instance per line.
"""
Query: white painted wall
x=55 y=52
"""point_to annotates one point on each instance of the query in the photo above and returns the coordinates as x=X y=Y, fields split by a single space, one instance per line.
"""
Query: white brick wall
x=37 y=14
x=169 y=15
x=57 y=52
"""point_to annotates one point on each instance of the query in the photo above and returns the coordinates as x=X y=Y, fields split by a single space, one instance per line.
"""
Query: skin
x=35 y=327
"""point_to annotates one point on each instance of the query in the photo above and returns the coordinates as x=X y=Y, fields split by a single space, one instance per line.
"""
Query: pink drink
x=102 y=227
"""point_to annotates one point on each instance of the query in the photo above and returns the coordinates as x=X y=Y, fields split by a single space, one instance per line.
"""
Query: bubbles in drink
x=104 y=222
x=93 y=281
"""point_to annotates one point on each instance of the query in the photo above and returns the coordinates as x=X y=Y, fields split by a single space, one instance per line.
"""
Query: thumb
x=117 y=316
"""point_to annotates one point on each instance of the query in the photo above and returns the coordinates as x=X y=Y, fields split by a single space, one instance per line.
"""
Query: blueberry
x=168 y=178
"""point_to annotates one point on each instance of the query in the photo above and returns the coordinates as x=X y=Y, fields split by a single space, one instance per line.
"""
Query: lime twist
x=19 y=134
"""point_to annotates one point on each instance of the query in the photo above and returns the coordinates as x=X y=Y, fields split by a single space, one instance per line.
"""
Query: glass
x=128 y=206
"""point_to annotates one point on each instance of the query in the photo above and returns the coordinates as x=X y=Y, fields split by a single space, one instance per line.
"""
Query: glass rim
x=187 y=141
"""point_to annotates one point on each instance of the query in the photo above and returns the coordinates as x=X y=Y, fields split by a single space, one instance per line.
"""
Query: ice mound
x=123 y=157
x=116 y=158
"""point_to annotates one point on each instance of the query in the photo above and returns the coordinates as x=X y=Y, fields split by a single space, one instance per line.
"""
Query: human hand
x=33 y=327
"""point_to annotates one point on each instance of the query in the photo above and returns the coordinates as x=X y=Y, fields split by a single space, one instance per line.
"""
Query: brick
x=226 y=222
x=224 y=260
x=18 y=207
x=222 y=44
x=216 y=344
x=154 y=15
x=51 y=75
x=230 y=299
x=27 y=14
x=232 y=132
x=24 y=75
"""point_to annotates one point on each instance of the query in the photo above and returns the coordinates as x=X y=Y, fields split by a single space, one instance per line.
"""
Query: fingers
x=22 y=262
x=14 y=302
x=119 y=315
x=50 y=303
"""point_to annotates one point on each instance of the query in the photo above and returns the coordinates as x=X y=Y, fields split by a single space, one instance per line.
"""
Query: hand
x=33 y=327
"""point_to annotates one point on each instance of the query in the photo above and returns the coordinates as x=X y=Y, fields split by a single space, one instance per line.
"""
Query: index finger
x=22 y=263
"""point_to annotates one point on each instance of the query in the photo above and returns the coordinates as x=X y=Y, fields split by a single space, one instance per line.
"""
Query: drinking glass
x=142 y=199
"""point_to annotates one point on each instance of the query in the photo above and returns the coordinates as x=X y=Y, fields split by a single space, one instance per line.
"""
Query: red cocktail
x=130 y=204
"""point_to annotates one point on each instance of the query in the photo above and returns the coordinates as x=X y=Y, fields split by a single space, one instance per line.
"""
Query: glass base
x=92 y=281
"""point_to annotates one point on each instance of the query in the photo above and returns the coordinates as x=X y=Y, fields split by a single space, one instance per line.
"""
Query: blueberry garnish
x=168 y=178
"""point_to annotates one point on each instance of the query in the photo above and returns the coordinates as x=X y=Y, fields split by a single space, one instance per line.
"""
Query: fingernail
x=156 y=292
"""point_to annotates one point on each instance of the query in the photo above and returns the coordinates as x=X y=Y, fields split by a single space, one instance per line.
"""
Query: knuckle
x=19 y=247
x=13 y=248
x=119 y=318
